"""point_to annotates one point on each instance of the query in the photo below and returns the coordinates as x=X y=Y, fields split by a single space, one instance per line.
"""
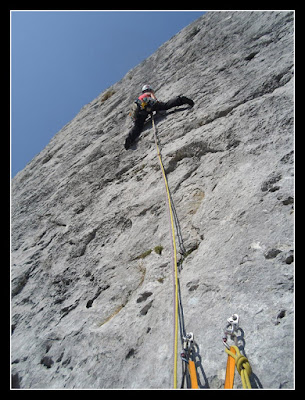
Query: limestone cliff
x=91 y=299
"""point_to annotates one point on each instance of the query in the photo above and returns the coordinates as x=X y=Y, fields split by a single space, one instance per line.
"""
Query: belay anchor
x=188 y=357
x=234 y=355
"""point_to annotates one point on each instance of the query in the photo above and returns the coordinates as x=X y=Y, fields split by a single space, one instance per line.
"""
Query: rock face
x=92 y=299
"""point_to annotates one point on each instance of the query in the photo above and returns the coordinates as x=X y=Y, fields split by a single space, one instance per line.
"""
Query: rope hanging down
x=174 y=255
x=242 y=365
x=235 y=358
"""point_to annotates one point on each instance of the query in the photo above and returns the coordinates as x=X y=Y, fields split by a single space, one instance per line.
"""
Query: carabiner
x=231 y=328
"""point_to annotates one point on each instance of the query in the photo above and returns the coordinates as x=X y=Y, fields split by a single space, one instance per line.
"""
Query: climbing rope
x=187 y=355
x=242 y=365
x=174 y=254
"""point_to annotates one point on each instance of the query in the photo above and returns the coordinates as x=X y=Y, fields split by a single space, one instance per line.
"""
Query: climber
x=146 y=104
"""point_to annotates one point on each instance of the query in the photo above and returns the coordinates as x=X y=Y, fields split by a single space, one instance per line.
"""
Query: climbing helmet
x=147 y=88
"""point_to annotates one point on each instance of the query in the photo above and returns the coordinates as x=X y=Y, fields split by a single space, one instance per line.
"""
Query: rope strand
x=174 y=256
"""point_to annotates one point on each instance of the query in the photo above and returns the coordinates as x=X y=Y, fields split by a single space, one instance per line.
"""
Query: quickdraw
x=188 y=357
x=234 y=356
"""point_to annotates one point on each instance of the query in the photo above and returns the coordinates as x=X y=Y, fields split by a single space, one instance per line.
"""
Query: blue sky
x=60 y=61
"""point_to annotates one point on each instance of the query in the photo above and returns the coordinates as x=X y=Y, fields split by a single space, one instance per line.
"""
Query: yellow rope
x=175 y=257
x=242 y=365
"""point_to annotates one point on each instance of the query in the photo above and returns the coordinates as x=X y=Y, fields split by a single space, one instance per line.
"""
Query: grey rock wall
x=91 y=306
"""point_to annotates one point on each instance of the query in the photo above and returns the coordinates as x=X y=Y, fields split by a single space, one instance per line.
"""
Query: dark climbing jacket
x=143 y=105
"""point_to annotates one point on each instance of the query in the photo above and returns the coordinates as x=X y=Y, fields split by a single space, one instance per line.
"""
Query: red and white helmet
x=147 y=88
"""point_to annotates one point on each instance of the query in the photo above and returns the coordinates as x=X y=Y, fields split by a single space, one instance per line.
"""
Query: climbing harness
x=174 y=255
x=234 y=356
